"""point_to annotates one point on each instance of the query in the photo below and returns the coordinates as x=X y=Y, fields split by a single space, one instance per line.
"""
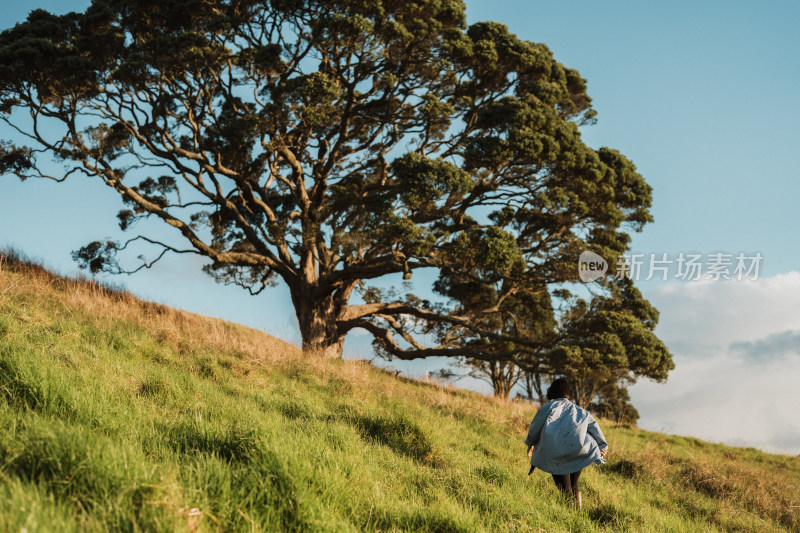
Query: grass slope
x=117 y=414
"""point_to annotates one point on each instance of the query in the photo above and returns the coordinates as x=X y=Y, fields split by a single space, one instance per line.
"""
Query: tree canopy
x=331 y=146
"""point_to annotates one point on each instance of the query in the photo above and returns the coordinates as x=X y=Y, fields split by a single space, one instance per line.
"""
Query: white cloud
x=722 y=312
x=737 y=370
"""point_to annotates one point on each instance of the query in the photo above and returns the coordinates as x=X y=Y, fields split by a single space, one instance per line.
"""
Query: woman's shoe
x=578 y=499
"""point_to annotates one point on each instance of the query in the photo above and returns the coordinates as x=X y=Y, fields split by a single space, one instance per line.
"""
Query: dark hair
x=559 y=389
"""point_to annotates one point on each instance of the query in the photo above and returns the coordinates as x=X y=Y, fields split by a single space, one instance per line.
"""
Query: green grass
x=121 y=415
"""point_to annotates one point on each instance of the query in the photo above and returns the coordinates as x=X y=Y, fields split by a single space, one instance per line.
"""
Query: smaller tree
x=501 y=375
x=601 y=346
x=533 y=386
x=503 y=311
x=610 y=343
x=614 y=403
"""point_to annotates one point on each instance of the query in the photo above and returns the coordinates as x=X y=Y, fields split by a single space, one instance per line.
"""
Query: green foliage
x=614 y=403
x=608 y=342
x=15 y=159
x=424 y=182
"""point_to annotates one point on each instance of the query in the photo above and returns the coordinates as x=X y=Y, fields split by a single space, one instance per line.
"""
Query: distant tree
x=533 y=386
x=614 y=403
x=523 y=313
x=326 y=144
x=501 y=375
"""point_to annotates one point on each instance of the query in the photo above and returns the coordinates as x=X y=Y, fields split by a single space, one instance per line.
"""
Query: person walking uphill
x=564 y=439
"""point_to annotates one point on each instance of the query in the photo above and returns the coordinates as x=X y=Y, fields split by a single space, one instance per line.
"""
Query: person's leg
x=573 y=477
x=563 y=482
x=573 y=480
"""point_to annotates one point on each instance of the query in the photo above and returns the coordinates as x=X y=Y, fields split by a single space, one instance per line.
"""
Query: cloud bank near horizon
x=736 y=346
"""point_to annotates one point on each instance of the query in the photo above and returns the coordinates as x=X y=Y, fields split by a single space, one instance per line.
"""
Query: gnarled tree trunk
x=317 y=317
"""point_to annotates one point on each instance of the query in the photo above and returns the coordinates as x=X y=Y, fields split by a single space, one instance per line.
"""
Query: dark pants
x=567 y=482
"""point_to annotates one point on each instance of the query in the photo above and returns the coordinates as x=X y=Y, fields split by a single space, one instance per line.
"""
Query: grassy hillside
x=117 y=414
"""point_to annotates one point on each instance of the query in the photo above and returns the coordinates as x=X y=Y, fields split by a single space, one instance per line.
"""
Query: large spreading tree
x=335 y=146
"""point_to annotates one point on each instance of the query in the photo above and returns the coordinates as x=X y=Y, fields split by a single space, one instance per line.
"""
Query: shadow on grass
x=266 y=489
x=492 y=474
x=398 y=432
x=401 y=434
x=416 y=520
x=16 y=389
x=608 y=515
x=29 y=391
x=232 y=444
x=625 y=468
x=291 y=409
x=76 y=469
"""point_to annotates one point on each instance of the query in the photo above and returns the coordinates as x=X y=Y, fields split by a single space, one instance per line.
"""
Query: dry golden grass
x=181 y=330
x=741 y=480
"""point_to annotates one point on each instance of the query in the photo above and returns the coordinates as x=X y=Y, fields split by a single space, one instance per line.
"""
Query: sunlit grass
x=117 y=414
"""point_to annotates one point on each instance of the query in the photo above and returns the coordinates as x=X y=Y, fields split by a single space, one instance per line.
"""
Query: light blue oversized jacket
x=565 y=437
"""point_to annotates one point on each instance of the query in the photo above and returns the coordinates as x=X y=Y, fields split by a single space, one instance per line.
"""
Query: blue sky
x=702 y=97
